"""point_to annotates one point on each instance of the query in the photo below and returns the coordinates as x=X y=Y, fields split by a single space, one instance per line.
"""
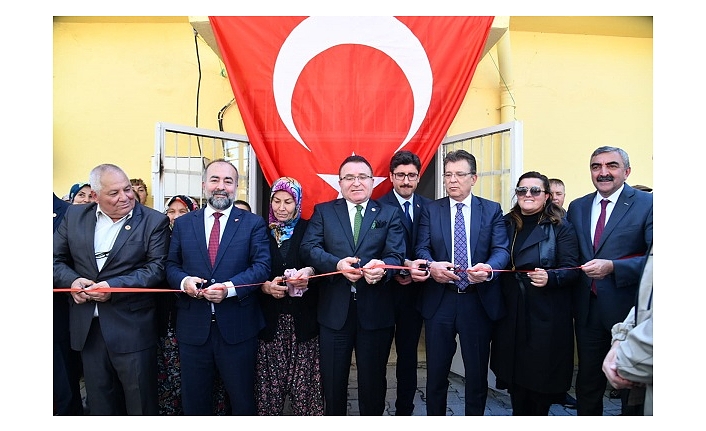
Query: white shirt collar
x=351 y=205
x=208 y=211
x=612 y=198
x=100 y=212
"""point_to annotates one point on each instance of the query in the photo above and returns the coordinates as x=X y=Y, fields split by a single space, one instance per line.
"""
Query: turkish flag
x=314 y=90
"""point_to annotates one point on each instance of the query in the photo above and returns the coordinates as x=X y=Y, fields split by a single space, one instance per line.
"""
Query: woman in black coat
x=288 y=351
x=532 y=352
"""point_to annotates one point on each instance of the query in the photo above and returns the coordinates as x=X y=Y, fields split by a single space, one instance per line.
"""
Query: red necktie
x=214 y=238
x=600 y=225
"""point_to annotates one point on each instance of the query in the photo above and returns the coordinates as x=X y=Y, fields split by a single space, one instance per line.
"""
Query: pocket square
x=378 y=224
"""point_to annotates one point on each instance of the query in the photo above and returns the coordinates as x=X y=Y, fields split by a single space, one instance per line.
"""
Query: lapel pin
x=54 y=214
x=237 y=219
x=127 y=227
x=372 y=209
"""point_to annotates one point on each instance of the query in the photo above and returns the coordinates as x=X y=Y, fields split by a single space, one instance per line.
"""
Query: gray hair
x=94 y=178
x=606 y=149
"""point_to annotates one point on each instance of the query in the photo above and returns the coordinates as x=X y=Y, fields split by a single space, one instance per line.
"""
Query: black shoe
x=569 y=401
x=614 y=394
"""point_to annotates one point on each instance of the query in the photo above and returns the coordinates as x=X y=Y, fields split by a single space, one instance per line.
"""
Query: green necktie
x=357 y=221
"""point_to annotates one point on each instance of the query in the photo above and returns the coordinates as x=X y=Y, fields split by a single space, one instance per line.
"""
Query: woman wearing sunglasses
x=532 y=352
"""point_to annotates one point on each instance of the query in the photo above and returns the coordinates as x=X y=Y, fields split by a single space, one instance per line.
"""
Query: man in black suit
x=612 y=266
x=356 y=307
x=464 y=297
x=67 y=394
x=113 y=243
x=404 y=176
x=218 y=314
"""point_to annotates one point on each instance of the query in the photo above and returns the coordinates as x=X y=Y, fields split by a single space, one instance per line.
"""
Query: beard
x=220 y=200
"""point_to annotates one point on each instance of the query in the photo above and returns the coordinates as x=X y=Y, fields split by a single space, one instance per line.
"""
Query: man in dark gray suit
x=356 y=307
x=113 y=243
x=614 y=229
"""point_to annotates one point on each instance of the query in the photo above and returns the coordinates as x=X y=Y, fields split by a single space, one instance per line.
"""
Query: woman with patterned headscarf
x=288 y=351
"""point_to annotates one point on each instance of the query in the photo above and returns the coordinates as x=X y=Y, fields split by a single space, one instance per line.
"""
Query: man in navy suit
x=356 y=307
x=113 y=242
x=611 y=267
x=218 y=314
x=451 y=305
x=404 y=176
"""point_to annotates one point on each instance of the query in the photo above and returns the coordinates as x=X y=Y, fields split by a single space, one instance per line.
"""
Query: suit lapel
x=199 y=227
x=341 y=209
x=417 y=212
x=371 y=213
x=392 y=200
x=445 y=225
x=585 y=230
x=232 y=226
x=89 y=233
x=476 y=220
x=125 y=232
x=619 y=210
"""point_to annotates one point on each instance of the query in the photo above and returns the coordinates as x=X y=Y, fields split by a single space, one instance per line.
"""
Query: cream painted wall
x=114 y=80
x=573 y=94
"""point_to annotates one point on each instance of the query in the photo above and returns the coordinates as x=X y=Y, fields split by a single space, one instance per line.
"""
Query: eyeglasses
x=458 y=175
x=401 y=176
x=534 y=191
x=352 y=178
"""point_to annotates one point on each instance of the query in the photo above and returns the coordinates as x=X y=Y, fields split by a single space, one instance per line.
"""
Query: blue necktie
x=461 y=248
x=406 y=211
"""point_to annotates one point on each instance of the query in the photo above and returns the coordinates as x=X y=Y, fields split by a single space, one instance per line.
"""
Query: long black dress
x=532 y=352
x=288 y=362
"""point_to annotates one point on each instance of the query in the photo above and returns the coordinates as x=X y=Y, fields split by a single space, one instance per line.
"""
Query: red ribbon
x=153 y=290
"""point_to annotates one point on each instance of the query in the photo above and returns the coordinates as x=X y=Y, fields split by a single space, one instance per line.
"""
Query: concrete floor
x=498 y=402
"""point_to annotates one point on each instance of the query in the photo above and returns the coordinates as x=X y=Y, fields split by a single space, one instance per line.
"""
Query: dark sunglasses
x=534 y=191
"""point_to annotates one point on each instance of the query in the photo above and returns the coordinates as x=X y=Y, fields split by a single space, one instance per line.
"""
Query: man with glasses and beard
x=404 y=176
x=218 y=257
x=614 y=229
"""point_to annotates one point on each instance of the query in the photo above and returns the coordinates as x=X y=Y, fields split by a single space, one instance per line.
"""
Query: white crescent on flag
x=313 y=90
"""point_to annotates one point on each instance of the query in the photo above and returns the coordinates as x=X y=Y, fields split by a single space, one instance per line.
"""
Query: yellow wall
x=573 y=94
x=114 y=78
x=113 y=81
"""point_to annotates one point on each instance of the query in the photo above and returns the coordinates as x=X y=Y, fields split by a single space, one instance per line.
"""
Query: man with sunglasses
x=404 y=176
x=463 y=239
x=614 y=229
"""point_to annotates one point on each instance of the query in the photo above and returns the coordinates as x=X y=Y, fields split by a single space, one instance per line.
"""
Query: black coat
x=533 y=345
x=303 y=308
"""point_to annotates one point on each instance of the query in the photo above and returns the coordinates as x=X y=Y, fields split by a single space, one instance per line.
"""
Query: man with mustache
x=614 y=228
x=218 y=257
